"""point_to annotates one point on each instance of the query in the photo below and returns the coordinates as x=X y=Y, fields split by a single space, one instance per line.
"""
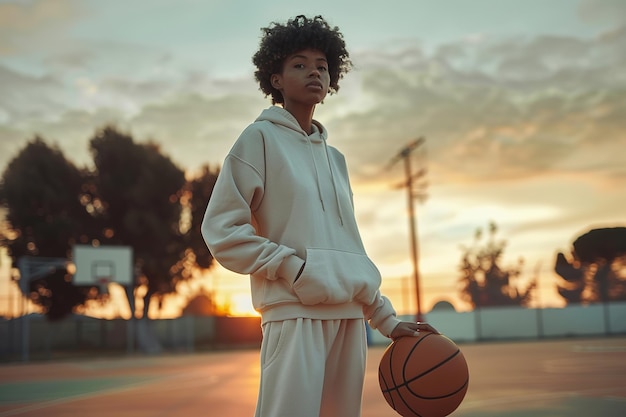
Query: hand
x=409 y=328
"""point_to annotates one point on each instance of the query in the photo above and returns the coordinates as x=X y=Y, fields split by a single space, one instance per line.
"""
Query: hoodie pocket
x=336 y=277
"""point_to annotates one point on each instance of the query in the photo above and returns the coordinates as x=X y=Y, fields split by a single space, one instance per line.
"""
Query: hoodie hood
x=281 y=117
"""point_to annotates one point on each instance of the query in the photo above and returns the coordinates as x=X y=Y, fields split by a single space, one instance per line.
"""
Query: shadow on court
x=573 y=378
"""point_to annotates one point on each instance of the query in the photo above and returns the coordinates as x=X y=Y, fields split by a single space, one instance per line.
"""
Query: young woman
x=282 y=211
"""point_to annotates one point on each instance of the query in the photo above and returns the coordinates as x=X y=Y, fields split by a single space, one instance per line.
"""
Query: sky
x=522 y=104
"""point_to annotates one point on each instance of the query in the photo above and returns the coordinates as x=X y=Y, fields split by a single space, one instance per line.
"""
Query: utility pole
x=412 y=194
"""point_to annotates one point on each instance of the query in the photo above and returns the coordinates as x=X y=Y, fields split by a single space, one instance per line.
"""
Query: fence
x=80 y=335
x=34 y=337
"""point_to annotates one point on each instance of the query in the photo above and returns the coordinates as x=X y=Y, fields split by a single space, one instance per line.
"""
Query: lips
x=315 y=84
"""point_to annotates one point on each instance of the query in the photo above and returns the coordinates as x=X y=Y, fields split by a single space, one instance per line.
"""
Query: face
x=304 y=78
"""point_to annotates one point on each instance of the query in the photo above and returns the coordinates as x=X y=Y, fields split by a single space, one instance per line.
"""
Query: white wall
x=509 y=323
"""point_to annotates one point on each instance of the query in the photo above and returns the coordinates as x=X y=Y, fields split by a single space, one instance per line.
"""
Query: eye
x=322 y=68
x=299 y=66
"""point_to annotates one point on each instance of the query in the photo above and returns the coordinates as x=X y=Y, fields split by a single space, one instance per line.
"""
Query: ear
x=276 y=81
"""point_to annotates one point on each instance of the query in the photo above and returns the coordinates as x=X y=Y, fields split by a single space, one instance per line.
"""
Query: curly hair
x=282 y=40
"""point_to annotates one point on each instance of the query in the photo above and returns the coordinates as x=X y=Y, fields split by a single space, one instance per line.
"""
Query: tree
x=203 y=304
x=143 y=200
x=134 y=196
x=41 y=192
x=596 y=268
x=198 y=193
x=484 y=282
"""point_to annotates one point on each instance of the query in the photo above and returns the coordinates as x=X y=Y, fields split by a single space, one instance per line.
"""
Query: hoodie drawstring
x=317 y=177
x=332 y=179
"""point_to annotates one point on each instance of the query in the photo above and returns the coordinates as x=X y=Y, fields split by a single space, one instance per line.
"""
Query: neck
x=303 y=114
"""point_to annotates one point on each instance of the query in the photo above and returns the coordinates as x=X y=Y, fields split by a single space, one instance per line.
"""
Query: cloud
x=24 y=97
x=487 y=121
x=197 y=129
x=491 y=109
x=71 y=132
x=528 y=132
x=35 y=25
x=613 y=11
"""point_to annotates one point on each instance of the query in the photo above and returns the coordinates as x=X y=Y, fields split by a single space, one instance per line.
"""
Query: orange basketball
x=423 y=376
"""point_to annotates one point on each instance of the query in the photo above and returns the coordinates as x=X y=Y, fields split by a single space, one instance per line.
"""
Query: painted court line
x=70 y=398
x=473 y=404
x=99 y=393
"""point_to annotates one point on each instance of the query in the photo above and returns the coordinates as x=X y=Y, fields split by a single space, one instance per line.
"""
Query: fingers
x=405 y=329
x=423 y=326
x=412 y=329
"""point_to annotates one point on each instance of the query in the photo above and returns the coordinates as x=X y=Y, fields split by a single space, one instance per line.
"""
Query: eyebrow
x=295 y=56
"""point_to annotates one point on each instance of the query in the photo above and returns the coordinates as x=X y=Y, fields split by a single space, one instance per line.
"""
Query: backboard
x=98 y=264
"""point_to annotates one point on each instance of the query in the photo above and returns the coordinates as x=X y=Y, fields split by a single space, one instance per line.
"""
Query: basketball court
x=573 y=378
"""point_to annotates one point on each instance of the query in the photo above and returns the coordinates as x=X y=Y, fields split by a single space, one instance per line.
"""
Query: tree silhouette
x=203 y=304
x=41 y=193
x=198 y=192
x=134 y=196
x=596 y=269
x=484 y=283
x=145 y=202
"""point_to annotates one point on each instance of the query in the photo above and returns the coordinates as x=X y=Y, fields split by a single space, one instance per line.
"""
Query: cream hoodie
x=283 y=200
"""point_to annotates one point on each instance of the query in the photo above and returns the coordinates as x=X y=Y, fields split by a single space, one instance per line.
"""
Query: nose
x=314 y=72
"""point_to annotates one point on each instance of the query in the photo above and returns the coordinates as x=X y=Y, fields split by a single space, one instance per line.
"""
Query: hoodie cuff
x=387 y=326
x=382 y=316
x=289 y=268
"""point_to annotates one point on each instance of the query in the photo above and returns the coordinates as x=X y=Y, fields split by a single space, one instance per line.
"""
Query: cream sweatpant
x=312 y=368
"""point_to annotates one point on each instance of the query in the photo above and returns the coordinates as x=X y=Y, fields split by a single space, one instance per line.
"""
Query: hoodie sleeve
x=227 y=226
x=381 y=315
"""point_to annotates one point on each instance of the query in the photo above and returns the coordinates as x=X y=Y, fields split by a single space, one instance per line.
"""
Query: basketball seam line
x=440 y=396
x=419 y=341
x=405 y=383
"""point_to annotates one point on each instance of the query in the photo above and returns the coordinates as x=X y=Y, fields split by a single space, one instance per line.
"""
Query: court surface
x=573 y=378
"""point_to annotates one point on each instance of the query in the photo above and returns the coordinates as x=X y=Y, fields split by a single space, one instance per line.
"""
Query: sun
x=241 y=305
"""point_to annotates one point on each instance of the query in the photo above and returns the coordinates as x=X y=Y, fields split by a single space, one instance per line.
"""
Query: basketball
x=423 y=376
